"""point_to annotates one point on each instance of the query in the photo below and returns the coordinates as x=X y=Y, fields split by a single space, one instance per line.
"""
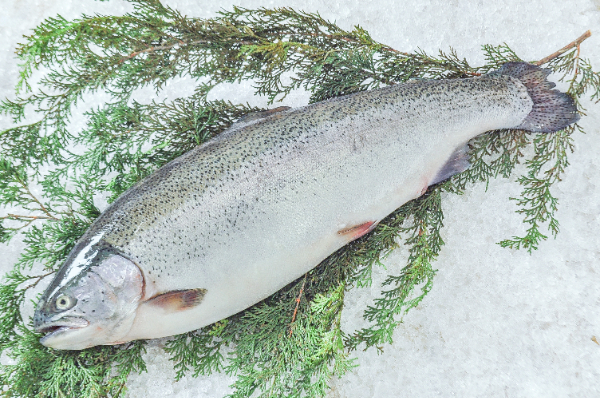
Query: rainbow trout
x=239 y=217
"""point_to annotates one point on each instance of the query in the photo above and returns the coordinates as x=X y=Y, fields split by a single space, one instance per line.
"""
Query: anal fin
x=178 y=300
x=456 y=163
x=357 y=231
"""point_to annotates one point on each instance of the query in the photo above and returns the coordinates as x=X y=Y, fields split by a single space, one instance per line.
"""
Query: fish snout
x=39 y=320
x=42 y=317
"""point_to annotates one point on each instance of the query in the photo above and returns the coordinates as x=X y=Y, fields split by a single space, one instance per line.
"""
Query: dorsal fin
x=251 y=117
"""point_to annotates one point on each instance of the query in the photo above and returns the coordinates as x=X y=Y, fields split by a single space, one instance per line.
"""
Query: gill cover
x=92 y=300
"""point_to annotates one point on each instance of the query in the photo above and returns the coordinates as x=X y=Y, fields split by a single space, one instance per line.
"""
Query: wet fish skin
x=234 y=220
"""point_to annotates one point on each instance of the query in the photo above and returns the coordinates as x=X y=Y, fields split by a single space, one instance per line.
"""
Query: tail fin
x=552 y=110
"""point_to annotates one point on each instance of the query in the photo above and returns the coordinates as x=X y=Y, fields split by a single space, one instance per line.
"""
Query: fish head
x=91 y=301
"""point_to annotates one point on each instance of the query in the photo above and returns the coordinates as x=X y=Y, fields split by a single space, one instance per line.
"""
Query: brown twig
x=566 y=48
x=168 y=47
x=120 y=389
x=577 y=59
x=13 y=216
x=42 y=207
x=39 y=278
x=153 y=48
x=26 y=219
x=298 y=303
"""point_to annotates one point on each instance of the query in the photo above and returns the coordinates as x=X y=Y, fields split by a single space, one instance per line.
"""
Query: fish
x=237 y=218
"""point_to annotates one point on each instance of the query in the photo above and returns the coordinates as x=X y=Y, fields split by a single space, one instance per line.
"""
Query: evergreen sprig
x=292 y=343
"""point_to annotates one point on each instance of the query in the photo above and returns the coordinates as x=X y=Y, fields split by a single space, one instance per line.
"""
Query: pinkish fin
x=269 y=112
x=178 y=300
x=357 y=231
x=457 y=163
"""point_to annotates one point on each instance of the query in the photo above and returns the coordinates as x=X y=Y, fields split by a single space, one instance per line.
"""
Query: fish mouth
x=60 y=327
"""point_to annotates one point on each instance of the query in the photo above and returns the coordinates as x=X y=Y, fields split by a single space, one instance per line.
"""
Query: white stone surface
x=498 y=323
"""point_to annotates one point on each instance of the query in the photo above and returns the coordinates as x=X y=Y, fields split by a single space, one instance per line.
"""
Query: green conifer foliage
x=291 y=344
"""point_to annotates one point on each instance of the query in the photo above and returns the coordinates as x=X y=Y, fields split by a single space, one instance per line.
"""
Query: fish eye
x=64 y=302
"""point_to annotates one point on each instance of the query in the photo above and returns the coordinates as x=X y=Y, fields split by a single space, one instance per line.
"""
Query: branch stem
x=39 y=278
x=42 y=207
x=566 y=48
x=13 y=216
x=298 y=303
x=170 y=46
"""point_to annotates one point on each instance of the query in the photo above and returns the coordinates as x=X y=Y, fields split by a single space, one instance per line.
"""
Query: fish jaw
x=65 y=334
x=79 y=333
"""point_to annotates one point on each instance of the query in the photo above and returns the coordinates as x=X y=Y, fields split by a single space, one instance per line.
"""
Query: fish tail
x=552 y=109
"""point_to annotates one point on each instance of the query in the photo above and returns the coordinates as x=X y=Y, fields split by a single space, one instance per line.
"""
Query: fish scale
x=239 y=217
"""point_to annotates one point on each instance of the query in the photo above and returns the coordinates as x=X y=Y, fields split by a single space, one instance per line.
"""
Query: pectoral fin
x=178 y=300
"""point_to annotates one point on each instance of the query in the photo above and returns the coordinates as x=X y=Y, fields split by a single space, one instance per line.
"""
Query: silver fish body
x=237 y=218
